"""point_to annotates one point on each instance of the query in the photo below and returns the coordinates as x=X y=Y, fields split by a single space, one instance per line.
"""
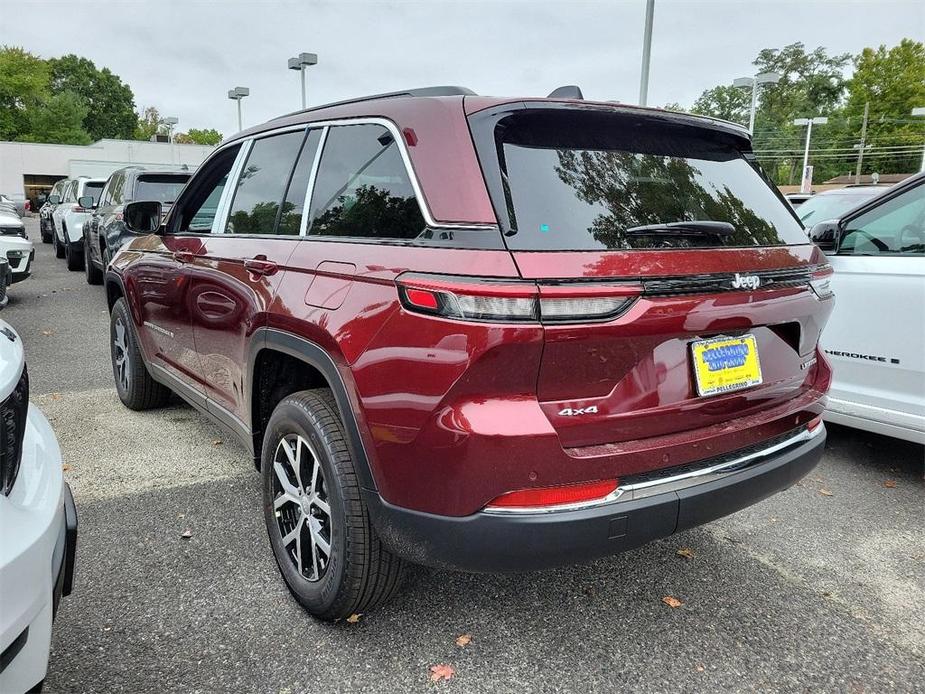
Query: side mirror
x=825 y=235
x=86 y=201
x=54 y=199
x=143 y=217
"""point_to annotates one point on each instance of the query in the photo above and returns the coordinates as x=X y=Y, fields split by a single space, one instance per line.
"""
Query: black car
x=46 y=225
x=105 y=232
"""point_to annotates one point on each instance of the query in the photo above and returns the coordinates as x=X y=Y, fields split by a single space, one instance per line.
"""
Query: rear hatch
x=719 y=319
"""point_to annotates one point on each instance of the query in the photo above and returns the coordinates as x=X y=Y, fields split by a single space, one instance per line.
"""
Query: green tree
x=195 y=136
x=724 y=101
x=150 y=122
x=892 y=81
x=110 y=102
x=24 y=81
x=59 y=119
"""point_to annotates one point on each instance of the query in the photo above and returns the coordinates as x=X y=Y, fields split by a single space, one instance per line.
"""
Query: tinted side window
x=290 y=219
x=115 y=189
x=199 y=203
x=362 y=188
x=895 y=227
x=262 y=184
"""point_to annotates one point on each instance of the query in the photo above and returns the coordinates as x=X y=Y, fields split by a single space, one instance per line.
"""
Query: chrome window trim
x=224 y=202
x=310 y=187
x=642 y=490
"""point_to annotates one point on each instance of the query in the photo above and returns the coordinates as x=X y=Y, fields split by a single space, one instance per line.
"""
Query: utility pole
x=646 y=53
x=857 y=173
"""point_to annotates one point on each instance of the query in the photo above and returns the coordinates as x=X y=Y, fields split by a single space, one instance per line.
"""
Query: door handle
x=183 y=256
x=261 y=266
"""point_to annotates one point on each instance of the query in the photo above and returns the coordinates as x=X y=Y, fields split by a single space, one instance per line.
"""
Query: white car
x=875 y=338
x=15 y=247
x=69 y=217
x=38 y=526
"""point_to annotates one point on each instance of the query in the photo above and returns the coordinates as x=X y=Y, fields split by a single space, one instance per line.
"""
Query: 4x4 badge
x=572 y=411
x=746 y=281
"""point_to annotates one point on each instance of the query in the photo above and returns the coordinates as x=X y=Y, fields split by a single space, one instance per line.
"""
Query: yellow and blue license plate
x=725 y=364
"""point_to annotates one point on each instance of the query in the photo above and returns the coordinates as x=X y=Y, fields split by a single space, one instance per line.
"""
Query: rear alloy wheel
x=323 y=541
x=134 y=385
x=73 y=259
x=93 y=273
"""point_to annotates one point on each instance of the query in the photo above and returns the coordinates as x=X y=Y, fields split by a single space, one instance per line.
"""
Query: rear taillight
x=555 y=496
x=514 y=301
x=814 y=423
x=821 y=281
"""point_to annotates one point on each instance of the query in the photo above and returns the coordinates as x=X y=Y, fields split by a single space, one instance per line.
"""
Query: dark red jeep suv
x=481 y=333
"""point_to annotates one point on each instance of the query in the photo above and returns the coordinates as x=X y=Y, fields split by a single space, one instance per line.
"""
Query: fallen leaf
x=463 y=640
x=672 y=601
x=65 y=467
x=186 y=534
x=354 y=618
x=56 y=396
x=686 y=552
x=699 y=668
x=889 y=484
x=826 y=492
x=48 y=333
x=441 y=672
x=217 y=442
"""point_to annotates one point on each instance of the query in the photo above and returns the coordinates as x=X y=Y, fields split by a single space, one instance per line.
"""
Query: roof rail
x=420 y=91
x=569 y=91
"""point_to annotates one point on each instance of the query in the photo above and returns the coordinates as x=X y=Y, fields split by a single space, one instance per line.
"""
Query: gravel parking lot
x=821 y=588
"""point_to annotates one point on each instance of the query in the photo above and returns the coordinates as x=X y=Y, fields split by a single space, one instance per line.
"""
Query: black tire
x=59 y=248
x=74 y=260
x=46 y=235
x=93 y=273
x=136 y=389
x=359 y=573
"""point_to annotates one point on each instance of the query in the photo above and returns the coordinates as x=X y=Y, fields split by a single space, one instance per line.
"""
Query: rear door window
x=363 y=189
x=896 y=227
x=578 y=180
x=262 y=184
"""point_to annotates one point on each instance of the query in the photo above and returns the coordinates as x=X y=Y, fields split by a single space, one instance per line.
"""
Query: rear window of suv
x=576 y=179
x=163 y=188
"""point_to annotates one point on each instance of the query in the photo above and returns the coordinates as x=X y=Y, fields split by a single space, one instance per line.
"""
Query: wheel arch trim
x=318 y=358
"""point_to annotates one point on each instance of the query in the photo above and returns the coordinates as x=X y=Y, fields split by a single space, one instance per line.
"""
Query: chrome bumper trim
x=673 y=483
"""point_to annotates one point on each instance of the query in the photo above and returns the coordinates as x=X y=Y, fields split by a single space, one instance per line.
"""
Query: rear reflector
x=814 y=423
x=555 y=496
x=422 y=298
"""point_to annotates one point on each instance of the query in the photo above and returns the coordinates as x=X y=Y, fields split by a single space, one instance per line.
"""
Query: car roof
x=873 y=190
x=393 y=105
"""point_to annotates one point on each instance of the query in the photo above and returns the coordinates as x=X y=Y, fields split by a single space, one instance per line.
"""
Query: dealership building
x=30 y=169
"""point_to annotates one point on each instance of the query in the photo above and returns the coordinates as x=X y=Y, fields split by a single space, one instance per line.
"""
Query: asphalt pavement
x=820 y=588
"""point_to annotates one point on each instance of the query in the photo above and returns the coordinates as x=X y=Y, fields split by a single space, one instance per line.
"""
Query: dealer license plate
x=725 y=364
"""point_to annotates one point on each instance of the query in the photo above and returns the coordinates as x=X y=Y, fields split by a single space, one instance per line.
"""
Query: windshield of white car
x=820 y=208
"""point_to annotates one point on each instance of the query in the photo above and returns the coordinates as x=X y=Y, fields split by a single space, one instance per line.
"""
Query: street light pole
x=920 y=111
x=300 y=63
x=237 y=94
x=646 y=53
x=806 y=182
x=753 y=83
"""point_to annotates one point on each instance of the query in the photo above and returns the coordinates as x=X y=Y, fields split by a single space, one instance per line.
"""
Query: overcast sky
x=183 y=56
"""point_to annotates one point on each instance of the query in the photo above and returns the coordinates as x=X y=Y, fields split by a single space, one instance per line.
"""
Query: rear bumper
x=491 y=541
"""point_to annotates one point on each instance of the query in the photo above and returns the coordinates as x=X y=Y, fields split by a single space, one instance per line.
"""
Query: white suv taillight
x=821 y=281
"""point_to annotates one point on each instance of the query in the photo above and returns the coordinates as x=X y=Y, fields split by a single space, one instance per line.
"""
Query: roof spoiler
x=569 y=91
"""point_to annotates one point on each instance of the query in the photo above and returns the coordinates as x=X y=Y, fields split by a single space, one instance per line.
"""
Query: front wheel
x=319 y=527
x=136 y=389
x=46 y=235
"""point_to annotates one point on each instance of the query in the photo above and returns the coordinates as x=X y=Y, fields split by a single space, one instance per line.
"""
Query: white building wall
x=18 y=159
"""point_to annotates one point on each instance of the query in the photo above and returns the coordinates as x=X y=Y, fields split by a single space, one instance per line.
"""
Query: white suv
x=875 y=337
x=38 y=526
x=69 y=217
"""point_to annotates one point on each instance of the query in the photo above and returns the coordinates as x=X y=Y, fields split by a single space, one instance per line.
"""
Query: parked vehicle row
x=494 y=364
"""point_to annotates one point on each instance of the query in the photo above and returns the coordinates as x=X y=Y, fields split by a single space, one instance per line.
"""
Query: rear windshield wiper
x=700 y=228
